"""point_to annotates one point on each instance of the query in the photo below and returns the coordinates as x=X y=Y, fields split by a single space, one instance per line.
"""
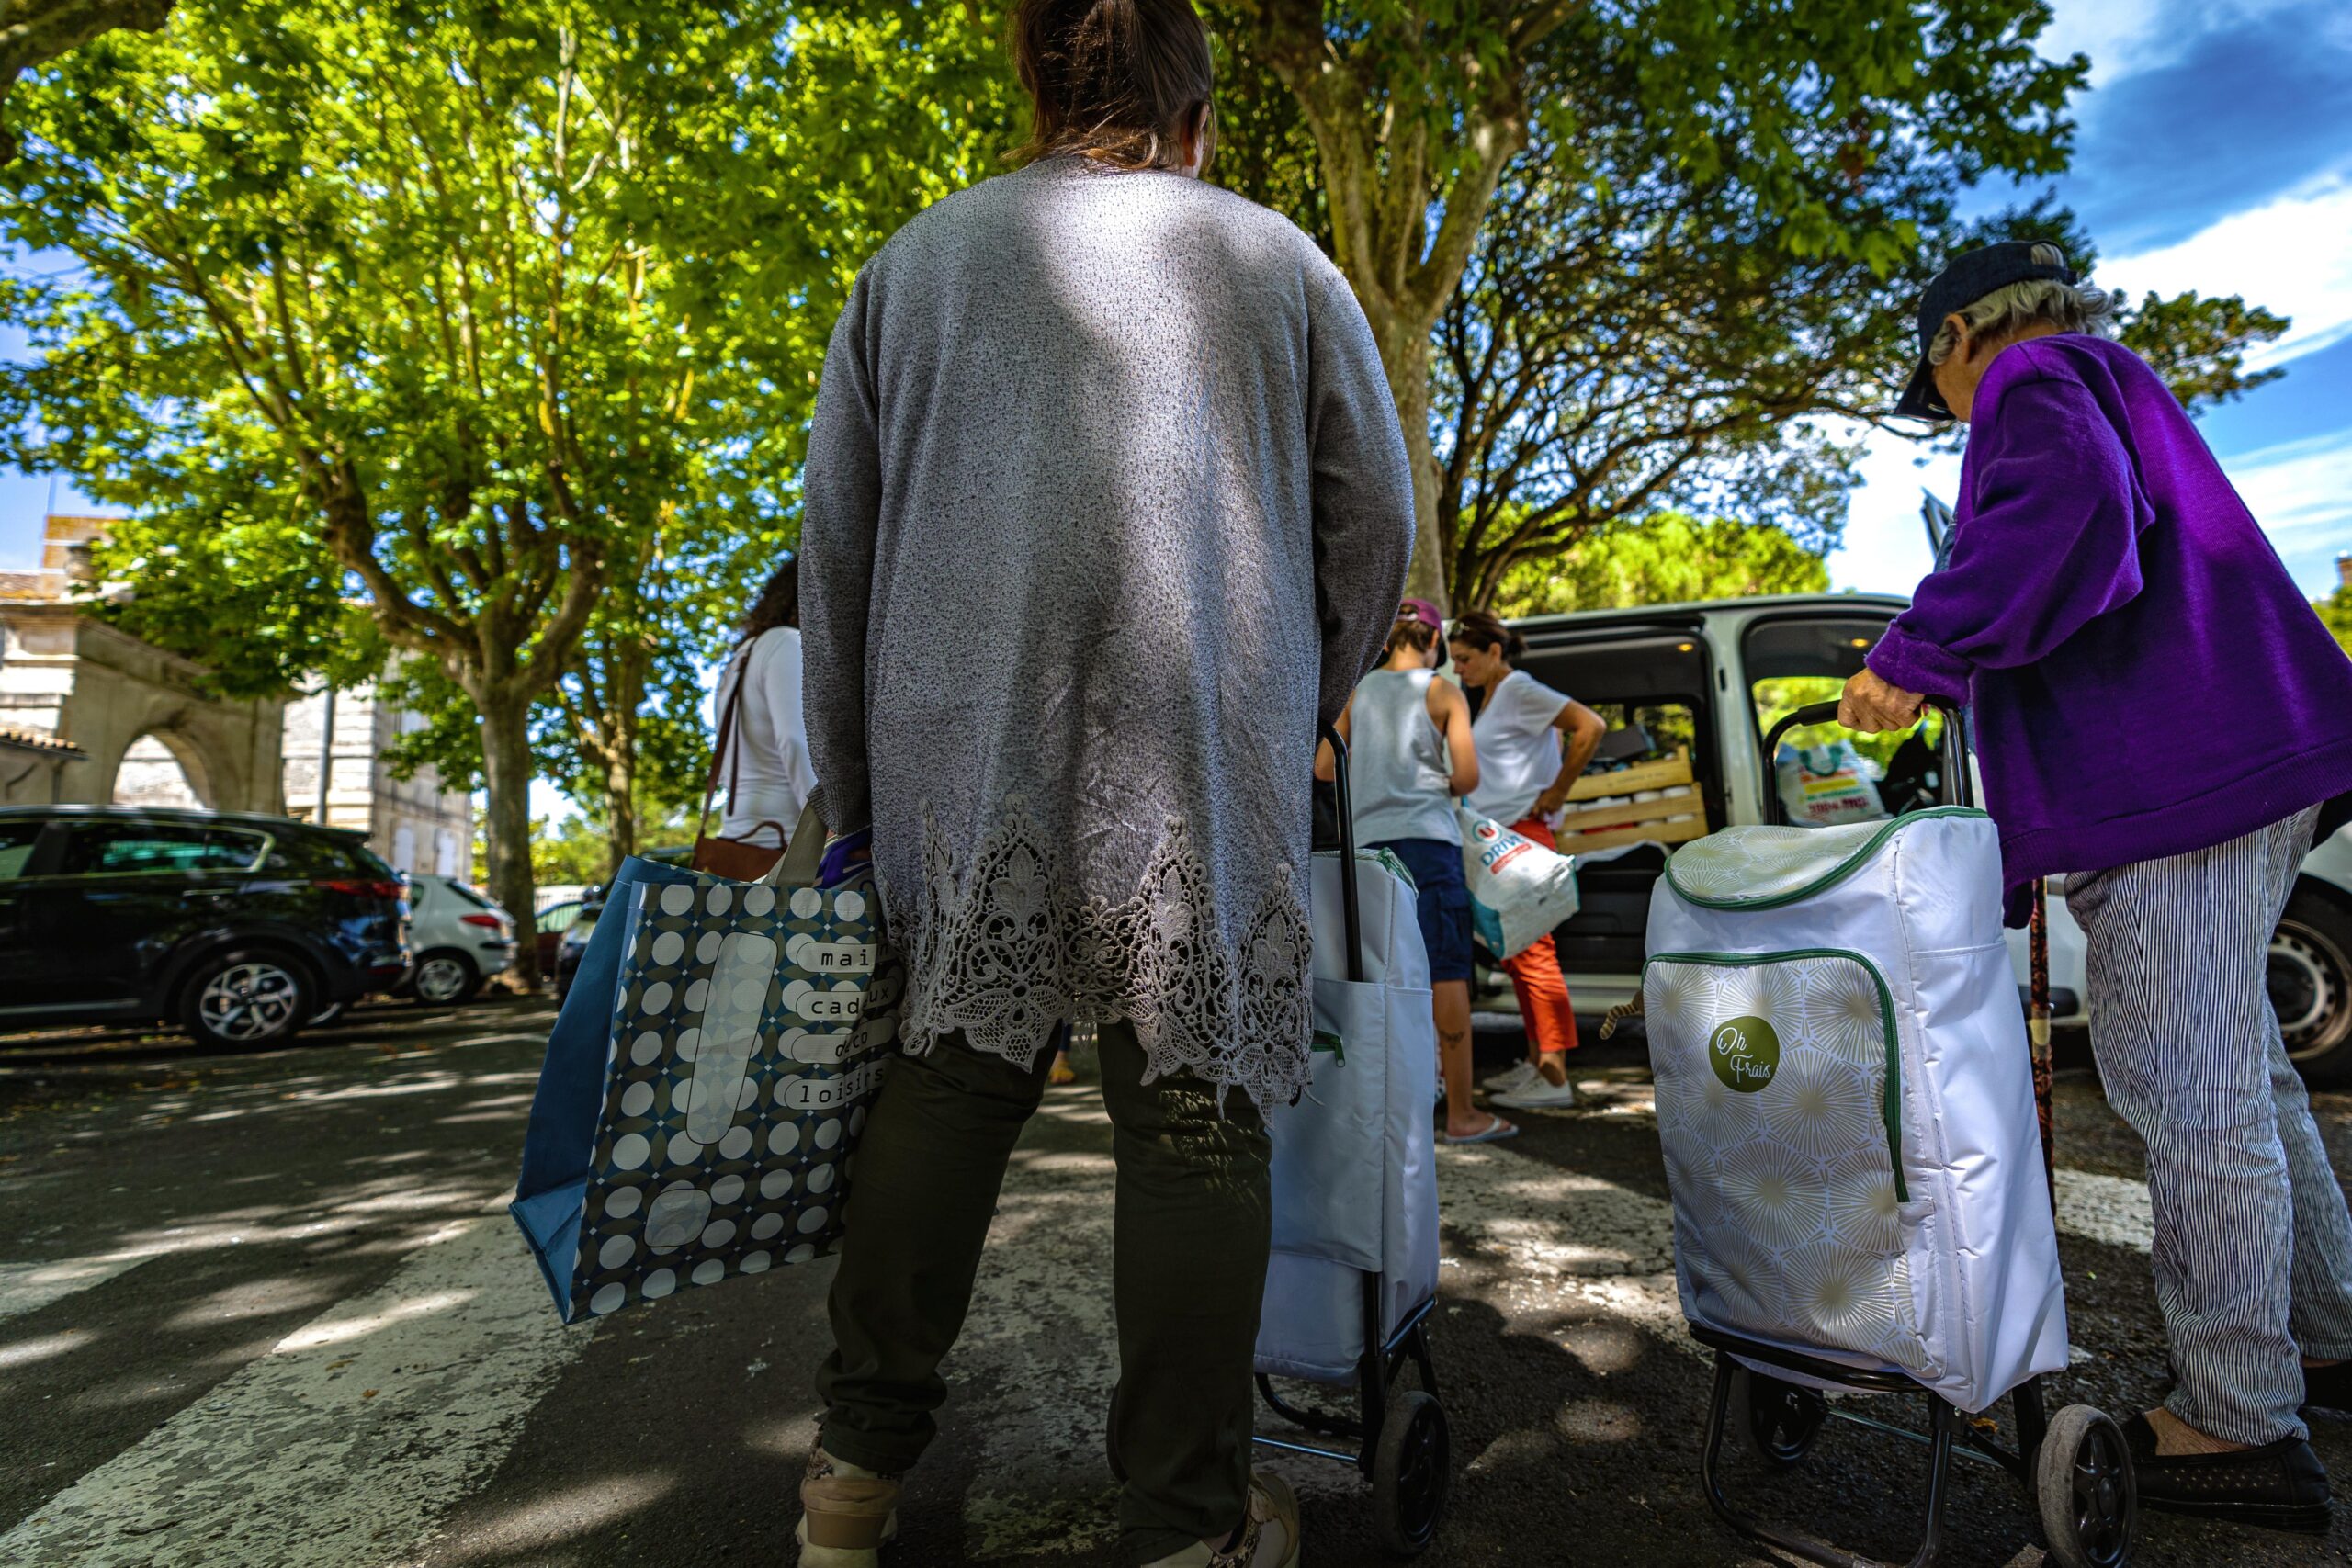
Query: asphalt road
x=267 y=1311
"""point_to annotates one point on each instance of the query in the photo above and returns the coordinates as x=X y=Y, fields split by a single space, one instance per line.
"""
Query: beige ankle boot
x=1269 y=1533
x=846 y=1513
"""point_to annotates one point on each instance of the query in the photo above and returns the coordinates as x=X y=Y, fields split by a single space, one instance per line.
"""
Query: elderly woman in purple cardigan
x=2109 y=606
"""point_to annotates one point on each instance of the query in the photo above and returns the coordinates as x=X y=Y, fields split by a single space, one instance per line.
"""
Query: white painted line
x=343 y=1445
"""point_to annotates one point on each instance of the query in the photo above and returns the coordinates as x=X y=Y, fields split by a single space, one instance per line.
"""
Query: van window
x=1797 y=661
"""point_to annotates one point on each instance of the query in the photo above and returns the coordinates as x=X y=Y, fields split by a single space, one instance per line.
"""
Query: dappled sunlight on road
x=23 y=1352
x=508 y=1534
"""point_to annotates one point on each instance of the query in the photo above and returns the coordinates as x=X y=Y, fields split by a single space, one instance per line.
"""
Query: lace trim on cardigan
x=999 y=947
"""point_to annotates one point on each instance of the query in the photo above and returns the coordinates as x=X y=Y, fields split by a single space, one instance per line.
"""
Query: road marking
x=347 y=1442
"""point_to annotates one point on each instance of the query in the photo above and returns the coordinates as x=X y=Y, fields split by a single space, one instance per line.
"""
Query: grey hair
x=2069 y=306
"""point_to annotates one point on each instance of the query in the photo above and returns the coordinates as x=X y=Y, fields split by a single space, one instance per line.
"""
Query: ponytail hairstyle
x=1411 y=631
x=778 y=604
x=1482 y=629
x=1126 y=81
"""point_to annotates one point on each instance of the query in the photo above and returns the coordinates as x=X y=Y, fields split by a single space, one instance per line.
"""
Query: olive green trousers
x=1188 y=1268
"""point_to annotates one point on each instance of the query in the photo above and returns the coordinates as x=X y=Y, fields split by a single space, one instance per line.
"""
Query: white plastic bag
x=1822 y=785
x=1519 y=889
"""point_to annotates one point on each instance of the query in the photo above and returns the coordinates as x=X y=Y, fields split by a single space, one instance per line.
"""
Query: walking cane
x=2037 y=1029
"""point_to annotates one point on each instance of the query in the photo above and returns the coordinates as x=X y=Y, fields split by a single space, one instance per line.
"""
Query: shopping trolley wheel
x=1412 y=1471
x=2084 y=1489
x=1779 y=1419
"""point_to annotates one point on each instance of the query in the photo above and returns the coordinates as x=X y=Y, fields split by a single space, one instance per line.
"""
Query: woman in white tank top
x=1409 y=755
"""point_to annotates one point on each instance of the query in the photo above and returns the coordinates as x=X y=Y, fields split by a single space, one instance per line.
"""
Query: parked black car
x=239 y=929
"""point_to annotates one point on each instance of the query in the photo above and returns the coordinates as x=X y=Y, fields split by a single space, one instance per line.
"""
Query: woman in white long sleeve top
x=765 y=768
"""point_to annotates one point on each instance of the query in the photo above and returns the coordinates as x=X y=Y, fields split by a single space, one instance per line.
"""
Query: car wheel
x=2310 y=986
x=247 y=1000
x=326 y=1015
x=444 y=978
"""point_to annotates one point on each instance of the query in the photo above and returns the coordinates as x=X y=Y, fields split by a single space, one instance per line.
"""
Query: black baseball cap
x=1970 y=277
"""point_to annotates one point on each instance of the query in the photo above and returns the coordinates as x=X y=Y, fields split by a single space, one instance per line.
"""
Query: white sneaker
x=1539 y=1096
x=1522 y=1072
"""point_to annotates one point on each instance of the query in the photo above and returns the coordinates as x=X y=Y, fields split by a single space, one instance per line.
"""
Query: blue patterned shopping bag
x=699 y=1124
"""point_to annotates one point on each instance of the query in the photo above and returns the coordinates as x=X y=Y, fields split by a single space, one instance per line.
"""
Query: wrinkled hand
x=1871 y=704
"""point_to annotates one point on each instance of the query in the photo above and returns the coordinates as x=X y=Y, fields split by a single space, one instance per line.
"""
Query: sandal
x=1496 y=1130
x=1062 y=1072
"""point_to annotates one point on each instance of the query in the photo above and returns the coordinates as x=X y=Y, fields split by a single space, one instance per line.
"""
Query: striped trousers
x=2253 y=1250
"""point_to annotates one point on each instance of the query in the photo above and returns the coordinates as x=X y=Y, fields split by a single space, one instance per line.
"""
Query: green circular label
x=1746 y=1052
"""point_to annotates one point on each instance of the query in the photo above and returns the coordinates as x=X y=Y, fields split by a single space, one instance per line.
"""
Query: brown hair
x=1481 y=628
x=778 y=604
x=1123 y=80
x=1411 y=631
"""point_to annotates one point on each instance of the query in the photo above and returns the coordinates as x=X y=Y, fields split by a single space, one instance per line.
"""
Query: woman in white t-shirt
x=765 y=768
x=1522 y=779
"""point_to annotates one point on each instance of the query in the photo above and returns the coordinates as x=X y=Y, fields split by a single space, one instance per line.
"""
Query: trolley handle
x=1347 y=911
x=1954 y=749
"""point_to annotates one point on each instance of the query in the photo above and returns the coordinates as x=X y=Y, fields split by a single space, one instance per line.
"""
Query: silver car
x=460 y=936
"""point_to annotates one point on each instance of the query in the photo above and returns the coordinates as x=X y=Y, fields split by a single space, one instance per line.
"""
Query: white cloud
x=2302 y=491
x=1885 y=546
x=2292 y=255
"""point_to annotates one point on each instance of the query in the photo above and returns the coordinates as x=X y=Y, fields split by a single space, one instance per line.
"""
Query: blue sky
x=2215 y=154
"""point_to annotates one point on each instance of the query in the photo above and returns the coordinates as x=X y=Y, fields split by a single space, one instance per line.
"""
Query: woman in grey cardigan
x=1106 y=508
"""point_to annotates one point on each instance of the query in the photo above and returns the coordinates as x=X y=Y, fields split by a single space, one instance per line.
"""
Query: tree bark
x=627 y=701
x=1405 y=212
x=506 y=770
x=34 y=32
x=1407 y=364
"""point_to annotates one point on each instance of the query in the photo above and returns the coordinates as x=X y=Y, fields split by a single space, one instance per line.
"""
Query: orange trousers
x=1543 y=1008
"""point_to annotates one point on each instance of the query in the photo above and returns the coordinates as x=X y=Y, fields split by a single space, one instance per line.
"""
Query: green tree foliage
x=498 y=319
x=34 y=32
x=382 y=279
x=1416 y=108
x=1640 y=328
x=2197 y=345
x=1668 y=559
x=569 y=853
x=2336 y=610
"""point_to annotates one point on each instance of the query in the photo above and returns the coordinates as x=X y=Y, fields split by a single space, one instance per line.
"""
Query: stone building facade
x=138 y=715
x=97 y=716
x=414 y=823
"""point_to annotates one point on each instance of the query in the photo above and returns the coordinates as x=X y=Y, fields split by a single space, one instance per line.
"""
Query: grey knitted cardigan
x=1106 y=505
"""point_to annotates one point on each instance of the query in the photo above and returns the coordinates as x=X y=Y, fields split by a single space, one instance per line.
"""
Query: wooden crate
x=1636 y=822
x=1639 y=833
x=1664 y=773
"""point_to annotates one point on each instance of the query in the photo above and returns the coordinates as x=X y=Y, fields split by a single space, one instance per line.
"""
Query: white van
x=1709 y=677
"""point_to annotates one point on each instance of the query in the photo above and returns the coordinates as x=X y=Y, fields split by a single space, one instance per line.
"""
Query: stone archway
x=161 y=769
x=120 y=702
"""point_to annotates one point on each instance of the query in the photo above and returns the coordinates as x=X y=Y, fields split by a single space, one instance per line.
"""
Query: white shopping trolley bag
x=1354 y=1171
x=1845 y=1101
